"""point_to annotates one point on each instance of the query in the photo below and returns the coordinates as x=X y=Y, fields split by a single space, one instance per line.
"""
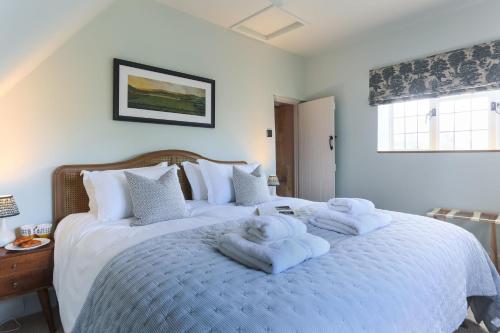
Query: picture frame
x=148 y=94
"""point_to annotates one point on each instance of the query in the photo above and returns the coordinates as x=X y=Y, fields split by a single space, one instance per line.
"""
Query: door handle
x=330 y=141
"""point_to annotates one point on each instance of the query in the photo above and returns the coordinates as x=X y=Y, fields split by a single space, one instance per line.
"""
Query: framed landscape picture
x=155 y=95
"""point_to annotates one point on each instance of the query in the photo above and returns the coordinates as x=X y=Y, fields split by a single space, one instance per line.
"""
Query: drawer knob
x=14 y=266
x=14 y=285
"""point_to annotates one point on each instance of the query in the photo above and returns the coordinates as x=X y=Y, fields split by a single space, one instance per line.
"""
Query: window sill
x=436 y=151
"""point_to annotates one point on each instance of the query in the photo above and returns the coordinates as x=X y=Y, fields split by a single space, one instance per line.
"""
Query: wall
x=62 y=112
x=405 y=182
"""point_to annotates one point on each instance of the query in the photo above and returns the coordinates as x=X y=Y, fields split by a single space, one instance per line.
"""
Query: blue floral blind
x=456 y=72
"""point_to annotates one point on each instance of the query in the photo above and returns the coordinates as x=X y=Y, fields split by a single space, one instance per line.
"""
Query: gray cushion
x=156 y=200
x=250 y=188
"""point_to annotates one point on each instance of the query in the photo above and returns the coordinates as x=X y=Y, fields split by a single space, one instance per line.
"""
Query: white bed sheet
x=84 y=245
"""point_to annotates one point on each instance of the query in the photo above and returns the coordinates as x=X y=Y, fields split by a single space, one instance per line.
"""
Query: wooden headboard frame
x=69 y=195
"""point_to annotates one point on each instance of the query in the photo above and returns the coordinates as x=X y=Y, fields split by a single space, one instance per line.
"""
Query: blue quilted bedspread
x=413 y=276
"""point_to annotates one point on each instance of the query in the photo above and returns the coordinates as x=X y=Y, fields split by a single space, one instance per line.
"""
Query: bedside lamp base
x=6 y=235
x=272 y=191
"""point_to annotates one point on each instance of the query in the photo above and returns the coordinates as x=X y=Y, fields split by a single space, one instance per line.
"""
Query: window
x=461 y=122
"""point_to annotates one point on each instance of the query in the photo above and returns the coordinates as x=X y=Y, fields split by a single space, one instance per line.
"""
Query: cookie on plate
x=21 y=240
x=30 y=243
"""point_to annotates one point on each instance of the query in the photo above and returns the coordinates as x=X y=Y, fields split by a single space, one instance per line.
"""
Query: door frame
x=295 y=102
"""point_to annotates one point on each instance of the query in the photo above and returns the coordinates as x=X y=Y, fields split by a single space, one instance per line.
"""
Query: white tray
x=11 y=246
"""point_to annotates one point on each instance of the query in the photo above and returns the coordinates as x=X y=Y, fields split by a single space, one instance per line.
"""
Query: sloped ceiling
x=32 y=29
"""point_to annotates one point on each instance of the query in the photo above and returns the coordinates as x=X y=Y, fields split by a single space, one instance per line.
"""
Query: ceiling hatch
x=268 y=23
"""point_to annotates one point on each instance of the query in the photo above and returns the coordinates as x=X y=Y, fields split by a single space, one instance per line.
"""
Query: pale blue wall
x=405 y=182
x=62 y=112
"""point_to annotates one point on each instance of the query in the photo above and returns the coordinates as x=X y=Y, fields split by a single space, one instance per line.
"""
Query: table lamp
x=8 y=208
x=273 y=181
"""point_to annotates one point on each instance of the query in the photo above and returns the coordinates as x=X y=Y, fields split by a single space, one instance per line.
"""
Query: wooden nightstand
x=23 y=272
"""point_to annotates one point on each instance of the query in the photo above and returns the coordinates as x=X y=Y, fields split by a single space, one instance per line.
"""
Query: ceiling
x=326 y=21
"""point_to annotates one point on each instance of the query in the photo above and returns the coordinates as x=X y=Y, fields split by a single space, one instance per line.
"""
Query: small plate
x=11 y=246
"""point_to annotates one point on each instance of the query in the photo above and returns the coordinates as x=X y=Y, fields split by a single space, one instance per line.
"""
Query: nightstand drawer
x=19 y=264
x=21 y=283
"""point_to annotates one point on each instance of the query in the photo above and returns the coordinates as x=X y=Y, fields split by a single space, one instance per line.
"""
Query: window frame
x=493 y=126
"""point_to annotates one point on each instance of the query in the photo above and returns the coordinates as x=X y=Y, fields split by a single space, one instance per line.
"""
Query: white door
x=316 y=133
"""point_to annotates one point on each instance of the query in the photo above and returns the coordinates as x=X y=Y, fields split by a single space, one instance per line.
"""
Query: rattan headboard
x=69 y=195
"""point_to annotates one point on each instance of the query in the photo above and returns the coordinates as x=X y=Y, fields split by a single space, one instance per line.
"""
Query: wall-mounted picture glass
x=155 y=95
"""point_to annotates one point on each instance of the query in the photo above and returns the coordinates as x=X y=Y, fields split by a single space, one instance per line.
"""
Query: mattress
x=413 y=276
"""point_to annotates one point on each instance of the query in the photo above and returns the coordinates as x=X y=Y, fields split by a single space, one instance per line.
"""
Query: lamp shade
x=273 y=181
x=8 y=206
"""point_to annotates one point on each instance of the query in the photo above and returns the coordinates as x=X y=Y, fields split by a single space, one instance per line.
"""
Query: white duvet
x=84 y=246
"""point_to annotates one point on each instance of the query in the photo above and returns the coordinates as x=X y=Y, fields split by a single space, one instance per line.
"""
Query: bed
x=415 y=275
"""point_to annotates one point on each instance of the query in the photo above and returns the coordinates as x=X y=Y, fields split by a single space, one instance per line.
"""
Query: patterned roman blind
x=466 y=70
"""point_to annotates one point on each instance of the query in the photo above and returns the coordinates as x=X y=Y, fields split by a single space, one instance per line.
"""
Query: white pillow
x=195 y=178
x=109 y=192
x=219 y=180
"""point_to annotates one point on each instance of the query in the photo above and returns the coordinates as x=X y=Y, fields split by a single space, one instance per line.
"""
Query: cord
x=15 y=329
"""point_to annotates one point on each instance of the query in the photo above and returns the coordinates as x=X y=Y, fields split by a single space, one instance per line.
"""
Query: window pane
x=423 y=141
x=423 y=107
x=480 y=120
x=446 y=141
x=411 y=142
x=399 y=142
x=480 y=103
x=398 y=110
x=446 y=122
x=411 y=108
x=480 y=140
x=462 y=140
x=462 y=105
x=423 y=124
x=411 y=125
x=399 y=125
x=462 y=121
x=446 y=107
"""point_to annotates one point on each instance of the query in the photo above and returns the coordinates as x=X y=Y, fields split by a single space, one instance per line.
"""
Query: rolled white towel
x=275 y=257
x=349 y=224
x=353 y=206
x=270 y=228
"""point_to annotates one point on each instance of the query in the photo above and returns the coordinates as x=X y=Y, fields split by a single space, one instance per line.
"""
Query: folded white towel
x=270 y=228
x=275 y=257
x=348 y=224
x=353 y=206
